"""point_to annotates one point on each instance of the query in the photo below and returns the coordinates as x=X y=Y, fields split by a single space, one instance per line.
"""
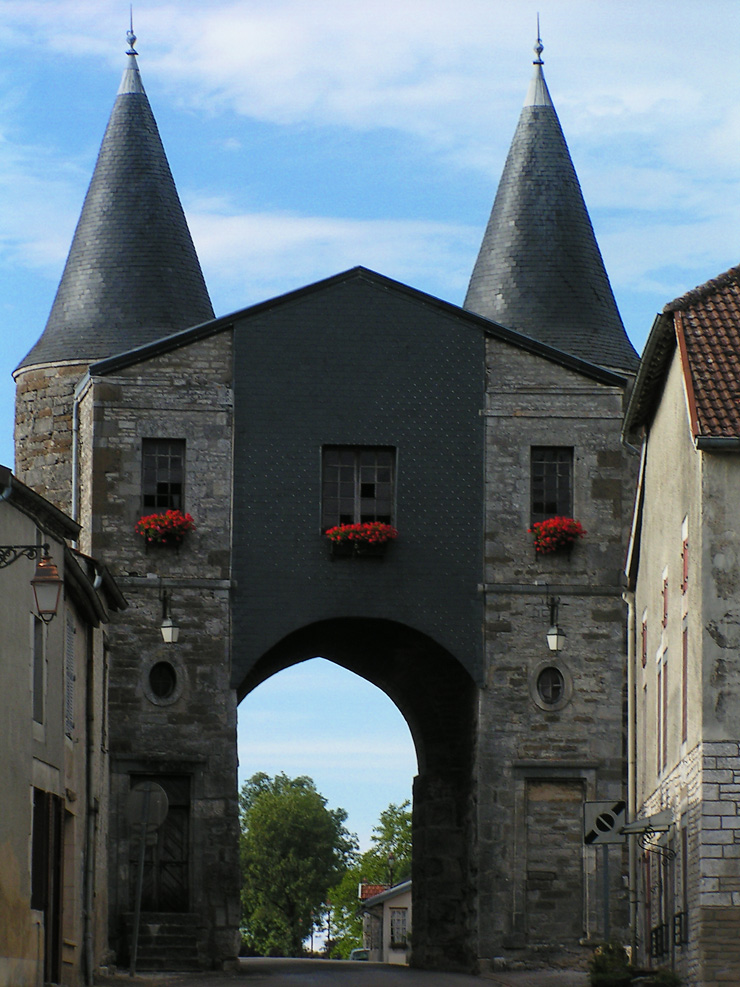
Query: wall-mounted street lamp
x=47 y=587
x=555 y=636
x=46 y=582
x=170 y=630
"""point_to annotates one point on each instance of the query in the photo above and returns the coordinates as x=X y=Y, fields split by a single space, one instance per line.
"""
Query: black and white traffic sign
x=603 y=822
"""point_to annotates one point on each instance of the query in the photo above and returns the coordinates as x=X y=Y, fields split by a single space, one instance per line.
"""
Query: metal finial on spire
x=539 y=47
x=130 y=36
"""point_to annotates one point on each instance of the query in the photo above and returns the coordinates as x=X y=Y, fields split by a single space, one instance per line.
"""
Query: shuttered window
x=69 y=678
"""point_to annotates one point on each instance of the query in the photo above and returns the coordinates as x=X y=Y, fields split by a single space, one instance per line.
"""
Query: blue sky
x=306 y=138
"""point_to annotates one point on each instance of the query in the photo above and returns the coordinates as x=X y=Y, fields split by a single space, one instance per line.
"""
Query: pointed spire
x=538 y=94
x=132 y=274
x=539 y=269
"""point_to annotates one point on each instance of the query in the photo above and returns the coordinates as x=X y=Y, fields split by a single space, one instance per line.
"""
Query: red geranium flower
x=369 y=533
x=164 y=529
x=555 y=533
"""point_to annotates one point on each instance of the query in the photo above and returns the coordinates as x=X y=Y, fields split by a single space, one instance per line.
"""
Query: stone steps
x=167 y=941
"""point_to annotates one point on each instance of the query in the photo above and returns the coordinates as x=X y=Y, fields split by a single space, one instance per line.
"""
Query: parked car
x=360 y=954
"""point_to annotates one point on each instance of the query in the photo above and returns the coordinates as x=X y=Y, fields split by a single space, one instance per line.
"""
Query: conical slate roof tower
x=132 y=274
x=539 y=269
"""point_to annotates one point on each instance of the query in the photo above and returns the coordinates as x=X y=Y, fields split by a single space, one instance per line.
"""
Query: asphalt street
x=336 y=973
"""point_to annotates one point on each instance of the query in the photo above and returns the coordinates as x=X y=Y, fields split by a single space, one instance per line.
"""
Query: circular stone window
x=162 y=679
x=162 y=683
x=550 y=685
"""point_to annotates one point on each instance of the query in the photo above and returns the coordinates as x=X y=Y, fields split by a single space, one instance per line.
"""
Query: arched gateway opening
x=436 y=696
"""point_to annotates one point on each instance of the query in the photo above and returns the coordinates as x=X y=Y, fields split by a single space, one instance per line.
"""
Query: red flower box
x=556 y=533
x=368 y=533
x=164 y=529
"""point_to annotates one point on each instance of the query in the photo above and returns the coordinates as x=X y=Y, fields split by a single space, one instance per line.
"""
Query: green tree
x=392 y=835
x=293 y=848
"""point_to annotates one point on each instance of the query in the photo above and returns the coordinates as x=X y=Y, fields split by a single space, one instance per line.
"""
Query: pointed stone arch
x=437 y=698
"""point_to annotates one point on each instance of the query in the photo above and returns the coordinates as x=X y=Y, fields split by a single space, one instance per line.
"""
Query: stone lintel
x=549 y=589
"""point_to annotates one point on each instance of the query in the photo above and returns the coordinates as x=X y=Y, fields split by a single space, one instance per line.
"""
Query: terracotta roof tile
x=707 y=322
x=370 y=890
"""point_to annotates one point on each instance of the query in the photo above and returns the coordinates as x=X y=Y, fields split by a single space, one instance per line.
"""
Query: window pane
x=163 y=474
x=361 y=489
x=551 y=482
x=550 y=685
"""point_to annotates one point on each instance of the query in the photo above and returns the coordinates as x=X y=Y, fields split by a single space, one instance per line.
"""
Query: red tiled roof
x=707 y=323
x=370 y=890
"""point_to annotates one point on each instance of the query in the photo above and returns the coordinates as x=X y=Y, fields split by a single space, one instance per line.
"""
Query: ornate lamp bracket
x=11 y=553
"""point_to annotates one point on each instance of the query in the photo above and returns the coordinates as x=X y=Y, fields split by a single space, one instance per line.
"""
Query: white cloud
x=249 y=257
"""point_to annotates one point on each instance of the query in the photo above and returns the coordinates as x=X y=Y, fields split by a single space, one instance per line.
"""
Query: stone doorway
x=166 y=885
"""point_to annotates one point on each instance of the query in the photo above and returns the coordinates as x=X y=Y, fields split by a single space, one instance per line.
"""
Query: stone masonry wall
x=187 y=738
x=44 y=430
x=703 y=794
x=537 y=764
x=719 y=856
x=680 y=792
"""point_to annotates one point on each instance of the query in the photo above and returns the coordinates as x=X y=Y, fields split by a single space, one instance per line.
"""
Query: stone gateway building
x=461 y=427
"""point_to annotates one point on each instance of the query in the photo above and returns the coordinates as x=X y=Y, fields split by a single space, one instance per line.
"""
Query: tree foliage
x=391 y=835
x=293 y=848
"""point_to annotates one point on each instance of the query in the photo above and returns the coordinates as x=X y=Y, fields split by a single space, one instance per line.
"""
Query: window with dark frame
x=162 y=679
x=551 y=482
x=357 y=485
x=162 y=474
x=550 y=685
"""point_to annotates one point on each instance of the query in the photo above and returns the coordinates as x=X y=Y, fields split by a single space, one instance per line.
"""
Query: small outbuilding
x=387 y=925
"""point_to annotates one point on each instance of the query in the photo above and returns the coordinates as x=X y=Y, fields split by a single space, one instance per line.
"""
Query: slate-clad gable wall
x=357 y=364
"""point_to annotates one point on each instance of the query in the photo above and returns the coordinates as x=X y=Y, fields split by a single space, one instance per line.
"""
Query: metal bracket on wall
x=11 y=553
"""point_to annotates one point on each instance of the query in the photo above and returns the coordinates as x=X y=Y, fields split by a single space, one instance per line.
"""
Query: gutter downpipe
x=629 y=598
x=75 y=460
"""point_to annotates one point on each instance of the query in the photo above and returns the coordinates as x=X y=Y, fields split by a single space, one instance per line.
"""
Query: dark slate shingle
x=132 y=274
x=539 y=269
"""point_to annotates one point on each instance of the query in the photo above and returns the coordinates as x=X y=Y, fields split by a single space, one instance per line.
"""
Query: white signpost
x=146 y=811
x=602 y=824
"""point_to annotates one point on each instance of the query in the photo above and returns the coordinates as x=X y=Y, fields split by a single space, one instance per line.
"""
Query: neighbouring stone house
x=356 y=398
x=684 y=577
x=387 y=924
x=54 y=743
